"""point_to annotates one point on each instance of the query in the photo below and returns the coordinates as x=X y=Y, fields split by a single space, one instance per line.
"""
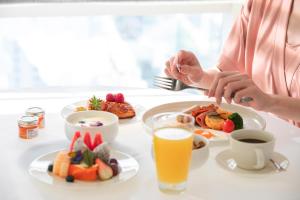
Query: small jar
x=28 y=127
x=39 y=112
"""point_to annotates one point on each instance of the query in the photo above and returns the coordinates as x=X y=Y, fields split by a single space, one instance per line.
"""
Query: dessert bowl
x=93 y=122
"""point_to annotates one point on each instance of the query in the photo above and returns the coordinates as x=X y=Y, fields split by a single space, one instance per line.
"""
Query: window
x=117 y=49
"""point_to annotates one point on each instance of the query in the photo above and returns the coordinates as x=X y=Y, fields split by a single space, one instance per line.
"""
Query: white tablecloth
x=210 y=181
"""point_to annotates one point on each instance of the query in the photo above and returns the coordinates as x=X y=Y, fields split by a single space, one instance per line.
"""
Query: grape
x=113 y=161
x=115 y=168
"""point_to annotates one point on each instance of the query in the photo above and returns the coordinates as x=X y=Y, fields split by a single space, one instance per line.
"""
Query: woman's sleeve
x=233 y=54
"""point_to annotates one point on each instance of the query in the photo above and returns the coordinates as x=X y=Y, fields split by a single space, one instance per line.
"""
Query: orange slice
x=85 y=174
x=206 y=134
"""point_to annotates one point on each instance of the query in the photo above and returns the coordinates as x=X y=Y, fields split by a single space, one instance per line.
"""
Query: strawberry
x=97 y=140
x=110 y=97
x=119 y=98
x=104 y=171
x=88 y=140
x=75 y=137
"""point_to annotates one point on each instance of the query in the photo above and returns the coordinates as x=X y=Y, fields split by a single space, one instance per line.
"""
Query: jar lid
x=34 y=111
x=28 y=120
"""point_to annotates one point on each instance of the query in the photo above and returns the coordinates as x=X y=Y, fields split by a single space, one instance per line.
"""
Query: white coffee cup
x=247 y=152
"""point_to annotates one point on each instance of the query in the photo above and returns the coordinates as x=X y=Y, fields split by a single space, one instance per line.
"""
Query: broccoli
x=237 y=120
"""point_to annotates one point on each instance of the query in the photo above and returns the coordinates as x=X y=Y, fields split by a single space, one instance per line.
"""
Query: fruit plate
x=251 y=119
x=38 y=169
x=68 y=109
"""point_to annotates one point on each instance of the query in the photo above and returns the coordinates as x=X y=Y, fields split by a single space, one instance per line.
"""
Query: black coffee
x=250 y=140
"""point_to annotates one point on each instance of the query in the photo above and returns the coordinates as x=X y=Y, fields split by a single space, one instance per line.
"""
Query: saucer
x=226 y=161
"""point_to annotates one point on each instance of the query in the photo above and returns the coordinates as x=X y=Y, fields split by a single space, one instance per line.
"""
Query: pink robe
x=257 y=46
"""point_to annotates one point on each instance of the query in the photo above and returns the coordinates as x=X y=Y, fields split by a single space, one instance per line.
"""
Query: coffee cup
x=252 y=149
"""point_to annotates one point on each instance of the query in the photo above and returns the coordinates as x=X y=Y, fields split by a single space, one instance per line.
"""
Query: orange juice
x=172 y=151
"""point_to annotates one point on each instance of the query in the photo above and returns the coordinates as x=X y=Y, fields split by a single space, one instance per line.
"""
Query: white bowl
x=200 y=156
x=109 y=129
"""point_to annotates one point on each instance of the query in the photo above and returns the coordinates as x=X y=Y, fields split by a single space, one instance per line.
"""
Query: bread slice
x=122 y=110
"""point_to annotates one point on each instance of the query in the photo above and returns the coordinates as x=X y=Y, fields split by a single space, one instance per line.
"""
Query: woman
x=260 y=59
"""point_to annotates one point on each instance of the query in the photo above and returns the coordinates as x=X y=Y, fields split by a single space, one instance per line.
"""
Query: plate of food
x=211 y=121
x=114 y=103
x=85 y=163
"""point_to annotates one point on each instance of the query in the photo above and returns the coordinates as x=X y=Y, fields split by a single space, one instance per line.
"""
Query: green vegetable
x=237 y=120
x=88 y=158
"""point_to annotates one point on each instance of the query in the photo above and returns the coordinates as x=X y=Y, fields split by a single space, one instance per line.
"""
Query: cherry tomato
x=228 y=126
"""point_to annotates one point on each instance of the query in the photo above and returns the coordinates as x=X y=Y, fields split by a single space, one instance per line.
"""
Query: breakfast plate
x=250 y=118
x=226 y=161
x=71 y=108
x=38 y=169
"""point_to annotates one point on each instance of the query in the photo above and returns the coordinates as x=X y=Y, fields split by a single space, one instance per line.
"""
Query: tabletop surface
x=209 y=181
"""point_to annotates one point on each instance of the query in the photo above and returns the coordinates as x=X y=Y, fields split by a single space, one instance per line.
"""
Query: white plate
x=250 y=118
x=67 y=110
x=39 y=170
x=226 y=161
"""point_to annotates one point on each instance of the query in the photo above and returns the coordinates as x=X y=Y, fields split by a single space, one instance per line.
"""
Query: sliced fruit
x=61 y=164
x=80 y=108
x=104 y=171
x=57 y=163
x=205 y=134
x=97 y=140
x=88 y=140
x=64 y=168
x=75 y=137
x=82 y=173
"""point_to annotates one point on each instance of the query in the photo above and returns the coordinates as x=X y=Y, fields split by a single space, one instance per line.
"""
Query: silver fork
x=177 y=85
x=172 y=84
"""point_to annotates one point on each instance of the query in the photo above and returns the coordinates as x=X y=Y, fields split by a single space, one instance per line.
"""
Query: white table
x=208 y=182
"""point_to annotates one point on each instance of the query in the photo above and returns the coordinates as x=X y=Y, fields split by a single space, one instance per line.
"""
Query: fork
x=177 y=85
x=172 y=84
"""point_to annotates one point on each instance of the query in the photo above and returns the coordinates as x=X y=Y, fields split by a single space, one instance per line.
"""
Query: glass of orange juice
x=172 y=147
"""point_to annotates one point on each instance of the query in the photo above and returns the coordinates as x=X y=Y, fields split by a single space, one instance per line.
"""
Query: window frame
x=116 y=8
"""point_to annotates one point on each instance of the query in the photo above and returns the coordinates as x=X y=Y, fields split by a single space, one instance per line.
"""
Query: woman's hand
x=234 y=85
x=185 y=67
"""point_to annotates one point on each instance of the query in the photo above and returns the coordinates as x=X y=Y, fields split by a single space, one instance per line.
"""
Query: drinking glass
x=172 y=148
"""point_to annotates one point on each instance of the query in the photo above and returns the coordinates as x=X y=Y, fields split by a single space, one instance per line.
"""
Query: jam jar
x=28 y=126
x=40 y=113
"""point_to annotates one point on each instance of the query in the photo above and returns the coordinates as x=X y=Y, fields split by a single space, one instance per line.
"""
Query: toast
x=122 y=110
